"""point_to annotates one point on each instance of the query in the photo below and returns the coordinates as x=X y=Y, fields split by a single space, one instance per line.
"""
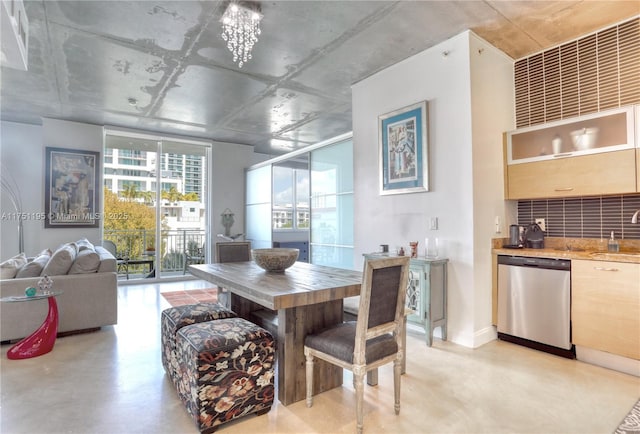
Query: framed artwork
x=71 y=188
x=403 y=150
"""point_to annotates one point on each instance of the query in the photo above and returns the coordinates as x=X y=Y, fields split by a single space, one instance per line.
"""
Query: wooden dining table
x=304 y=299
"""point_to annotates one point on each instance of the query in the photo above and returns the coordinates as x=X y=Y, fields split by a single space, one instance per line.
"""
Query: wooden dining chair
x=374 y=339
x=234 y=251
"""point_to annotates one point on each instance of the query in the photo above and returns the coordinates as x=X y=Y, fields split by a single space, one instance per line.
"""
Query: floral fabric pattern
x=225 y=370
x=174 y=318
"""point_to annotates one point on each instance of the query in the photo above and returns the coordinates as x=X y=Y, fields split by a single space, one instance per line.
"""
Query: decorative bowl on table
x=275 y=260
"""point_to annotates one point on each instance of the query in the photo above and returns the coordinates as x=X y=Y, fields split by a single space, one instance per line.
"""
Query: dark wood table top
x=301 y=284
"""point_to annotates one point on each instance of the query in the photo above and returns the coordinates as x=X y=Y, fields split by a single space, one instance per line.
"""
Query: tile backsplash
x=584 y=217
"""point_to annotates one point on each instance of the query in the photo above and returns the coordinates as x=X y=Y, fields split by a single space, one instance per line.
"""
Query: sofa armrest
x=108 y=262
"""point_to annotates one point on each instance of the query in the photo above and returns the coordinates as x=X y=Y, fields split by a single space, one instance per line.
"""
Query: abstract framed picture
x=72 y=188
x=403 y=150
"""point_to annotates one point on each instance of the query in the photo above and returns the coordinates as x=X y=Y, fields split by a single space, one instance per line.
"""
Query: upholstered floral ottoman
x=225 y=371
x=174 y=318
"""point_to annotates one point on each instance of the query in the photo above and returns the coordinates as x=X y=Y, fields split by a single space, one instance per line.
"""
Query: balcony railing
x=174 y=246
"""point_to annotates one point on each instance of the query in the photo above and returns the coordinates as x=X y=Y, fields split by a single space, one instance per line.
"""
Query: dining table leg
x=294 y=324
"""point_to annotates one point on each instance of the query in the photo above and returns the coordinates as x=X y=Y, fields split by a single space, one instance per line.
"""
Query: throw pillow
x=35 y=267
x=10 y=267
x=84 y=244
x=47 y=252
x=87 y=261
x=60 y=261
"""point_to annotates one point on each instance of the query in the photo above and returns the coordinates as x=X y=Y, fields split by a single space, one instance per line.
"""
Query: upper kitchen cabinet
x=638 y=169
x=638 y=149
x=587 y=155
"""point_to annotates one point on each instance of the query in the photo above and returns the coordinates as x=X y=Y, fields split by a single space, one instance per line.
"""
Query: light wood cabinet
x=594 y=174
x=605 y=306
x=638 y=168
x=584 y=156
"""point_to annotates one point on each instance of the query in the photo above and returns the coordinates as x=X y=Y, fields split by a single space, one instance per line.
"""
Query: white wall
x=229 y=164
x=23 y=153
x=492 y=112
x=71 y=135
x=22 y=157
x=443 y=76
x=22 y=150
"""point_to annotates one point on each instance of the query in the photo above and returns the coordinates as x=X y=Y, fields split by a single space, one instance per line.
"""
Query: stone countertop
x=574 y=248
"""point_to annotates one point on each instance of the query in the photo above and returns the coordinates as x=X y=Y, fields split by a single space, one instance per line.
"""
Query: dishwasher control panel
x=528 y=261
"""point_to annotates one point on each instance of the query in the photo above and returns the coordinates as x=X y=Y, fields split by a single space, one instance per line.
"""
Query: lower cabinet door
x=605 y=310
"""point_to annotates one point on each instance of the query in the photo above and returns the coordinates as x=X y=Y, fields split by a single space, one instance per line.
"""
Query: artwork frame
x=72 y=188
x=403 y=150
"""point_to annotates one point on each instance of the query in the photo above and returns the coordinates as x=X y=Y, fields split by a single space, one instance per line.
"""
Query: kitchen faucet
x=634 y=219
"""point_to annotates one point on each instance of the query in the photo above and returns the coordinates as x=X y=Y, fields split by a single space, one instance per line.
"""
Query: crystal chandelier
x=240 y=28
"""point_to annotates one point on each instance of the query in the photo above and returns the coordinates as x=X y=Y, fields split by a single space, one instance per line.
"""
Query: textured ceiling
x=88 y=58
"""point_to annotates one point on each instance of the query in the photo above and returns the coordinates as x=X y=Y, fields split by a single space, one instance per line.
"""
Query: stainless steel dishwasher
x=534 y=303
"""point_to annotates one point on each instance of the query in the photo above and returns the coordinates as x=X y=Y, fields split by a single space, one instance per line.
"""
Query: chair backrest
x=382 y=300
x=110 y=246
x=235 y=251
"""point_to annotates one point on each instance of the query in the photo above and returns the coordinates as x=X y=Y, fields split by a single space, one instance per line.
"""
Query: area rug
x=631 y=423
x=191 y=296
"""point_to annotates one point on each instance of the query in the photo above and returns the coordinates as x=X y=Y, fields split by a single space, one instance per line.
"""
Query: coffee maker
x=534 y=237
x=516 y=237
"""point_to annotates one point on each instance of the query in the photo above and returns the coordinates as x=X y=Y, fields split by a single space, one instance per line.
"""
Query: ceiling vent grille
x=591 y=74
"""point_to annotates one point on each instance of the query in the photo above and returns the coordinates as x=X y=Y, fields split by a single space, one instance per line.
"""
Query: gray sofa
x=89 y=299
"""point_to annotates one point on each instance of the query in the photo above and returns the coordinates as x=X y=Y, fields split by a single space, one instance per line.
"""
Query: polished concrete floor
x=112 y=382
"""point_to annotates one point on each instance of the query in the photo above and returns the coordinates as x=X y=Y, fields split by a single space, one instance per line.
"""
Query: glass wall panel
x=332 y=256
x=333 y=168
x=333 y=220
x=332 y=205
x=260 y=181
x=258 y=209
x=258 y=225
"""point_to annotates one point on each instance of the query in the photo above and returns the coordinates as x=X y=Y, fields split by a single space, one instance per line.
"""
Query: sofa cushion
x=10 y=267
x=34 y=268
x=61 y=260
x=87 y=261
x=84 y=244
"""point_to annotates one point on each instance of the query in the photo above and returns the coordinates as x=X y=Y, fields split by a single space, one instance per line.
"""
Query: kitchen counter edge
x=593 y=255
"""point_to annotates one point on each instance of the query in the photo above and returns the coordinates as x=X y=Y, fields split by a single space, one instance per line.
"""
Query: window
x=290 y=198
x=133 y=184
